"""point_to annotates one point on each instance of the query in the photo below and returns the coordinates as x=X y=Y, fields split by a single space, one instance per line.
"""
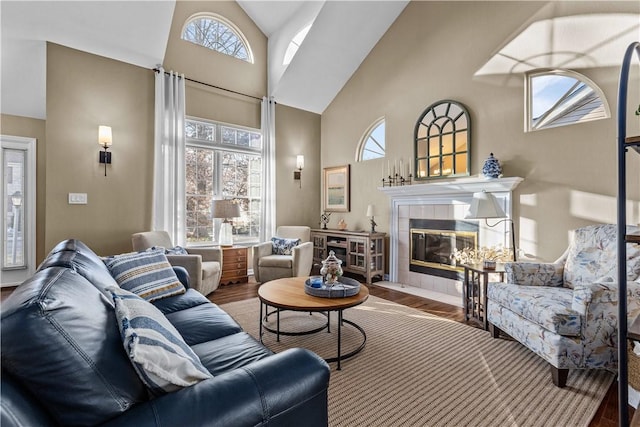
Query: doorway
x=18 y=207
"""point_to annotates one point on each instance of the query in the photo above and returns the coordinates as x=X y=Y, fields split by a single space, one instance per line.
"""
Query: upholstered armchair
x=204 y=265
x=291 y=261
x=566 y=311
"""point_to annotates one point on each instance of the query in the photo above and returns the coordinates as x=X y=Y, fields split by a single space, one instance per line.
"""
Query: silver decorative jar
x=331 y=269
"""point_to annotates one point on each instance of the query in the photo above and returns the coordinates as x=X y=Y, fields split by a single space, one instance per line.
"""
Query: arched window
x=217 y=33
x=371 y=145
x=561 y=97
x=294 y=44
x=442 y=141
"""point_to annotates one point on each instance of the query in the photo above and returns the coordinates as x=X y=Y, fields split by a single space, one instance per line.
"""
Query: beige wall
x=32 y=128
x=297 y=132
x=84 y=91
x=570 y=172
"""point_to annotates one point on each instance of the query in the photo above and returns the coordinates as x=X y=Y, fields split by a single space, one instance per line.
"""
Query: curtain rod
x=213 y=86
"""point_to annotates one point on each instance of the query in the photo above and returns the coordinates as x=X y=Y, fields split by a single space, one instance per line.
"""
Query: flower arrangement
x=483 y=253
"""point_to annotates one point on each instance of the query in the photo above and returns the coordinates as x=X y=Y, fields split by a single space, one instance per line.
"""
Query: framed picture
x=336 y=189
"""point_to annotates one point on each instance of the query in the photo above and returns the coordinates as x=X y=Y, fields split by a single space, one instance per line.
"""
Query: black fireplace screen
x=432 y=248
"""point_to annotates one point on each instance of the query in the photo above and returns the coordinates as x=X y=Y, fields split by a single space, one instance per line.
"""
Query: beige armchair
x=204 y=265
x=269 y=266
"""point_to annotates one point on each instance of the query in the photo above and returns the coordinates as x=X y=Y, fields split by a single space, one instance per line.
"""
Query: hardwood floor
x=607 y=415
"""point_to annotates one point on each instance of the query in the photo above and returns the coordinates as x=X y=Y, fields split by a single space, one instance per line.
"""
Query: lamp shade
x=300 y=161
x=371 y=210
x=225 y=209
x=104 y=136
x=485 y=205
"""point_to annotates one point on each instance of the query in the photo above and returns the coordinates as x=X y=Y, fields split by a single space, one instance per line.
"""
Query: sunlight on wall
x=528 y=237
x=529 y=199
x=601 y=209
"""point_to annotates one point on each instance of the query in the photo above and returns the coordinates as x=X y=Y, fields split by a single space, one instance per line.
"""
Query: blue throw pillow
x=282 y=246
x=176 y=250
x=161 y=358
x=147 y=274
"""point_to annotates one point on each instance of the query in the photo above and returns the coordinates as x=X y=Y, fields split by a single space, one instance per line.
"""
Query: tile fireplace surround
x=440 y=199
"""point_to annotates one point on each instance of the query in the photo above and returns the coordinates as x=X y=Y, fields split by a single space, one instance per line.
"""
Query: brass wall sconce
x=297 y=174
x=105 y=140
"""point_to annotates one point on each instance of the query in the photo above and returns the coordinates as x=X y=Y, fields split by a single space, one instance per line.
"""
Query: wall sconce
x=105 y=140
x=297 y=174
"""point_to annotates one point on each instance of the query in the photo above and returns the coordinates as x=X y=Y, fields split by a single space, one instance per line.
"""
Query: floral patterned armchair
x=566 y=311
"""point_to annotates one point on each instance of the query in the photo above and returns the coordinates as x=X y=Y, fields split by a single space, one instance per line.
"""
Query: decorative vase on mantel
x=492 y=168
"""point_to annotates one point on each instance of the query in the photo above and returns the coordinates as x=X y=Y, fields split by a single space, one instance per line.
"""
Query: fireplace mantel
x=453 y=186
x=443 y=192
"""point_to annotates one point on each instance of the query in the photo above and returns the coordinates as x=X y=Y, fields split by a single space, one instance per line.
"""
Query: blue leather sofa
x=63 y=361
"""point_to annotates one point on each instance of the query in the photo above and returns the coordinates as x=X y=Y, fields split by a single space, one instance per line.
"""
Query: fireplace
x=432 y=243
x=439 y=199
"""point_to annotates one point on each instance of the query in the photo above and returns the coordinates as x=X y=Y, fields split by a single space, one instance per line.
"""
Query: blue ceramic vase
x=492 y=168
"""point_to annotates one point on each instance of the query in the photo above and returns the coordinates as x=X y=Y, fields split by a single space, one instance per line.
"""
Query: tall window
x=372 y=144
x=217 y=33
x=222 y=162
x=561 y=97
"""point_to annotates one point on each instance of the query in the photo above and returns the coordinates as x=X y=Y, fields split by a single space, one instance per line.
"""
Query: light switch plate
x=77 y=198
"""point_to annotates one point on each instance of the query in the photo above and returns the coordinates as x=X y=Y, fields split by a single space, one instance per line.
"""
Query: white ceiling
x=136 y=32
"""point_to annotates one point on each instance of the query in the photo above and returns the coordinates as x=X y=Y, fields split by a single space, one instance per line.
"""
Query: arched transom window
x=217 y=33
x=372 y=144
x=562 y=97
x=442 y=141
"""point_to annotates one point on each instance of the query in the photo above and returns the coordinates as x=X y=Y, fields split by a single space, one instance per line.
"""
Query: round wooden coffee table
x=289 y=294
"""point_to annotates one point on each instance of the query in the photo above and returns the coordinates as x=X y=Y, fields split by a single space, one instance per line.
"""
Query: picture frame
x=336 y=189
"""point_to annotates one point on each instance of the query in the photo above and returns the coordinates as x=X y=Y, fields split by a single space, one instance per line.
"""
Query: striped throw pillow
x=147 y=274
x=163 y=361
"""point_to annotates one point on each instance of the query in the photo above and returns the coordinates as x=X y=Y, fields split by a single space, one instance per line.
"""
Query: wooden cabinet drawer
x=234 y=265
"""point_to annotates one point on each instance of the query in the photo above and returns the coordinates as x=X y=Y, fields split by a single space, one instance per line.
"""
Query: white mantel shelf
x=453 y=186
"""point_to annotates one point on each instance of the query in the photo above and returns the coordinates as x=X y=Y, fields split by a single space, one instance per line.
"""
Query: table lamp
x=225 y=209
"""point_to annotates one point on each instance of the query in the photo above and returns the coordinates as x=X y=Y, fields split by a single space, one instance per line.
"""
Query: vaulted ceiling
x=136 y=32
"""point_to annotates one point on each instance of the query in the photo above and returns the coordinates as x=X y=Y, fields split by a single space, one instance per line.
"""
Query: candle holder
x=396 y=180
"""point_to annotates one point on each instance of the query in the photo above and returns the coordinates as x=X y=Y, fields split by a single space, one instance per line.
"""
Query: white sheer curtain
x=268 y=126
x=169 y=164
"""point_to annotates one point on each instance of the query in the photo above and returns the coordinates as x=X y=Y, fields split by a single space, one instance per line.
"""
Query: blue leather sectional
x=64 y=363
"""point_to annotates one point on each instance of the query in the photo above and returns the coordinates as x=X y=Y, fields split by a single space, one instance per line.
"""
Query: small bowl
x=316 y=281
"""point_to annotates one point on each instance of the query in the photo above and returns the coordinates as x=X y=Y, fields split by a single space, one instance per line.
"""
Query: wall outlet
x=77 y=198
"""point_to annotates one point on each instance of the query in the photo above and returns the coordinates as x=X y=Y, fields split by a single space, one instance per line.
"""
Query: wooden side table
x=474 y=291
x=234 y=265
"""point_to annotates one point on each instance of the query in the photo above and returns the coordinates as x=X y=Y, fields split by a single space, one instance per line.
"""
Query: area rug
x=421 y=370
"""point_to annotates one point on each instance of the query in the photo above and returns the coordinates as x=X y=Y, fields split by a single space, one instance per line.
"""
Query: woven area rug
x=421 y=370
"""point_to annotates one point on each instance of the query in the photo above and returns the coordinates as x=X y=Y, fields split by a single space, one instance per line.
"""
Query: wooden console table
x=361 y=252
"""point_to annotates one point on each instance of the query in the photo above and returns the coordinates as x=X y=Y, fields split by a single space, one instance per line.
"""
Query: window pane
x=461 y=141
x=228 y=135
x=216 y=35
x=434 y=166
x=434 y=146
x=13 y=191
x=559 y=99
x=422 y=148
x=447 y=165
x=447 y=144
x=422 y=168
x=461 y=163
x=373 y=144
